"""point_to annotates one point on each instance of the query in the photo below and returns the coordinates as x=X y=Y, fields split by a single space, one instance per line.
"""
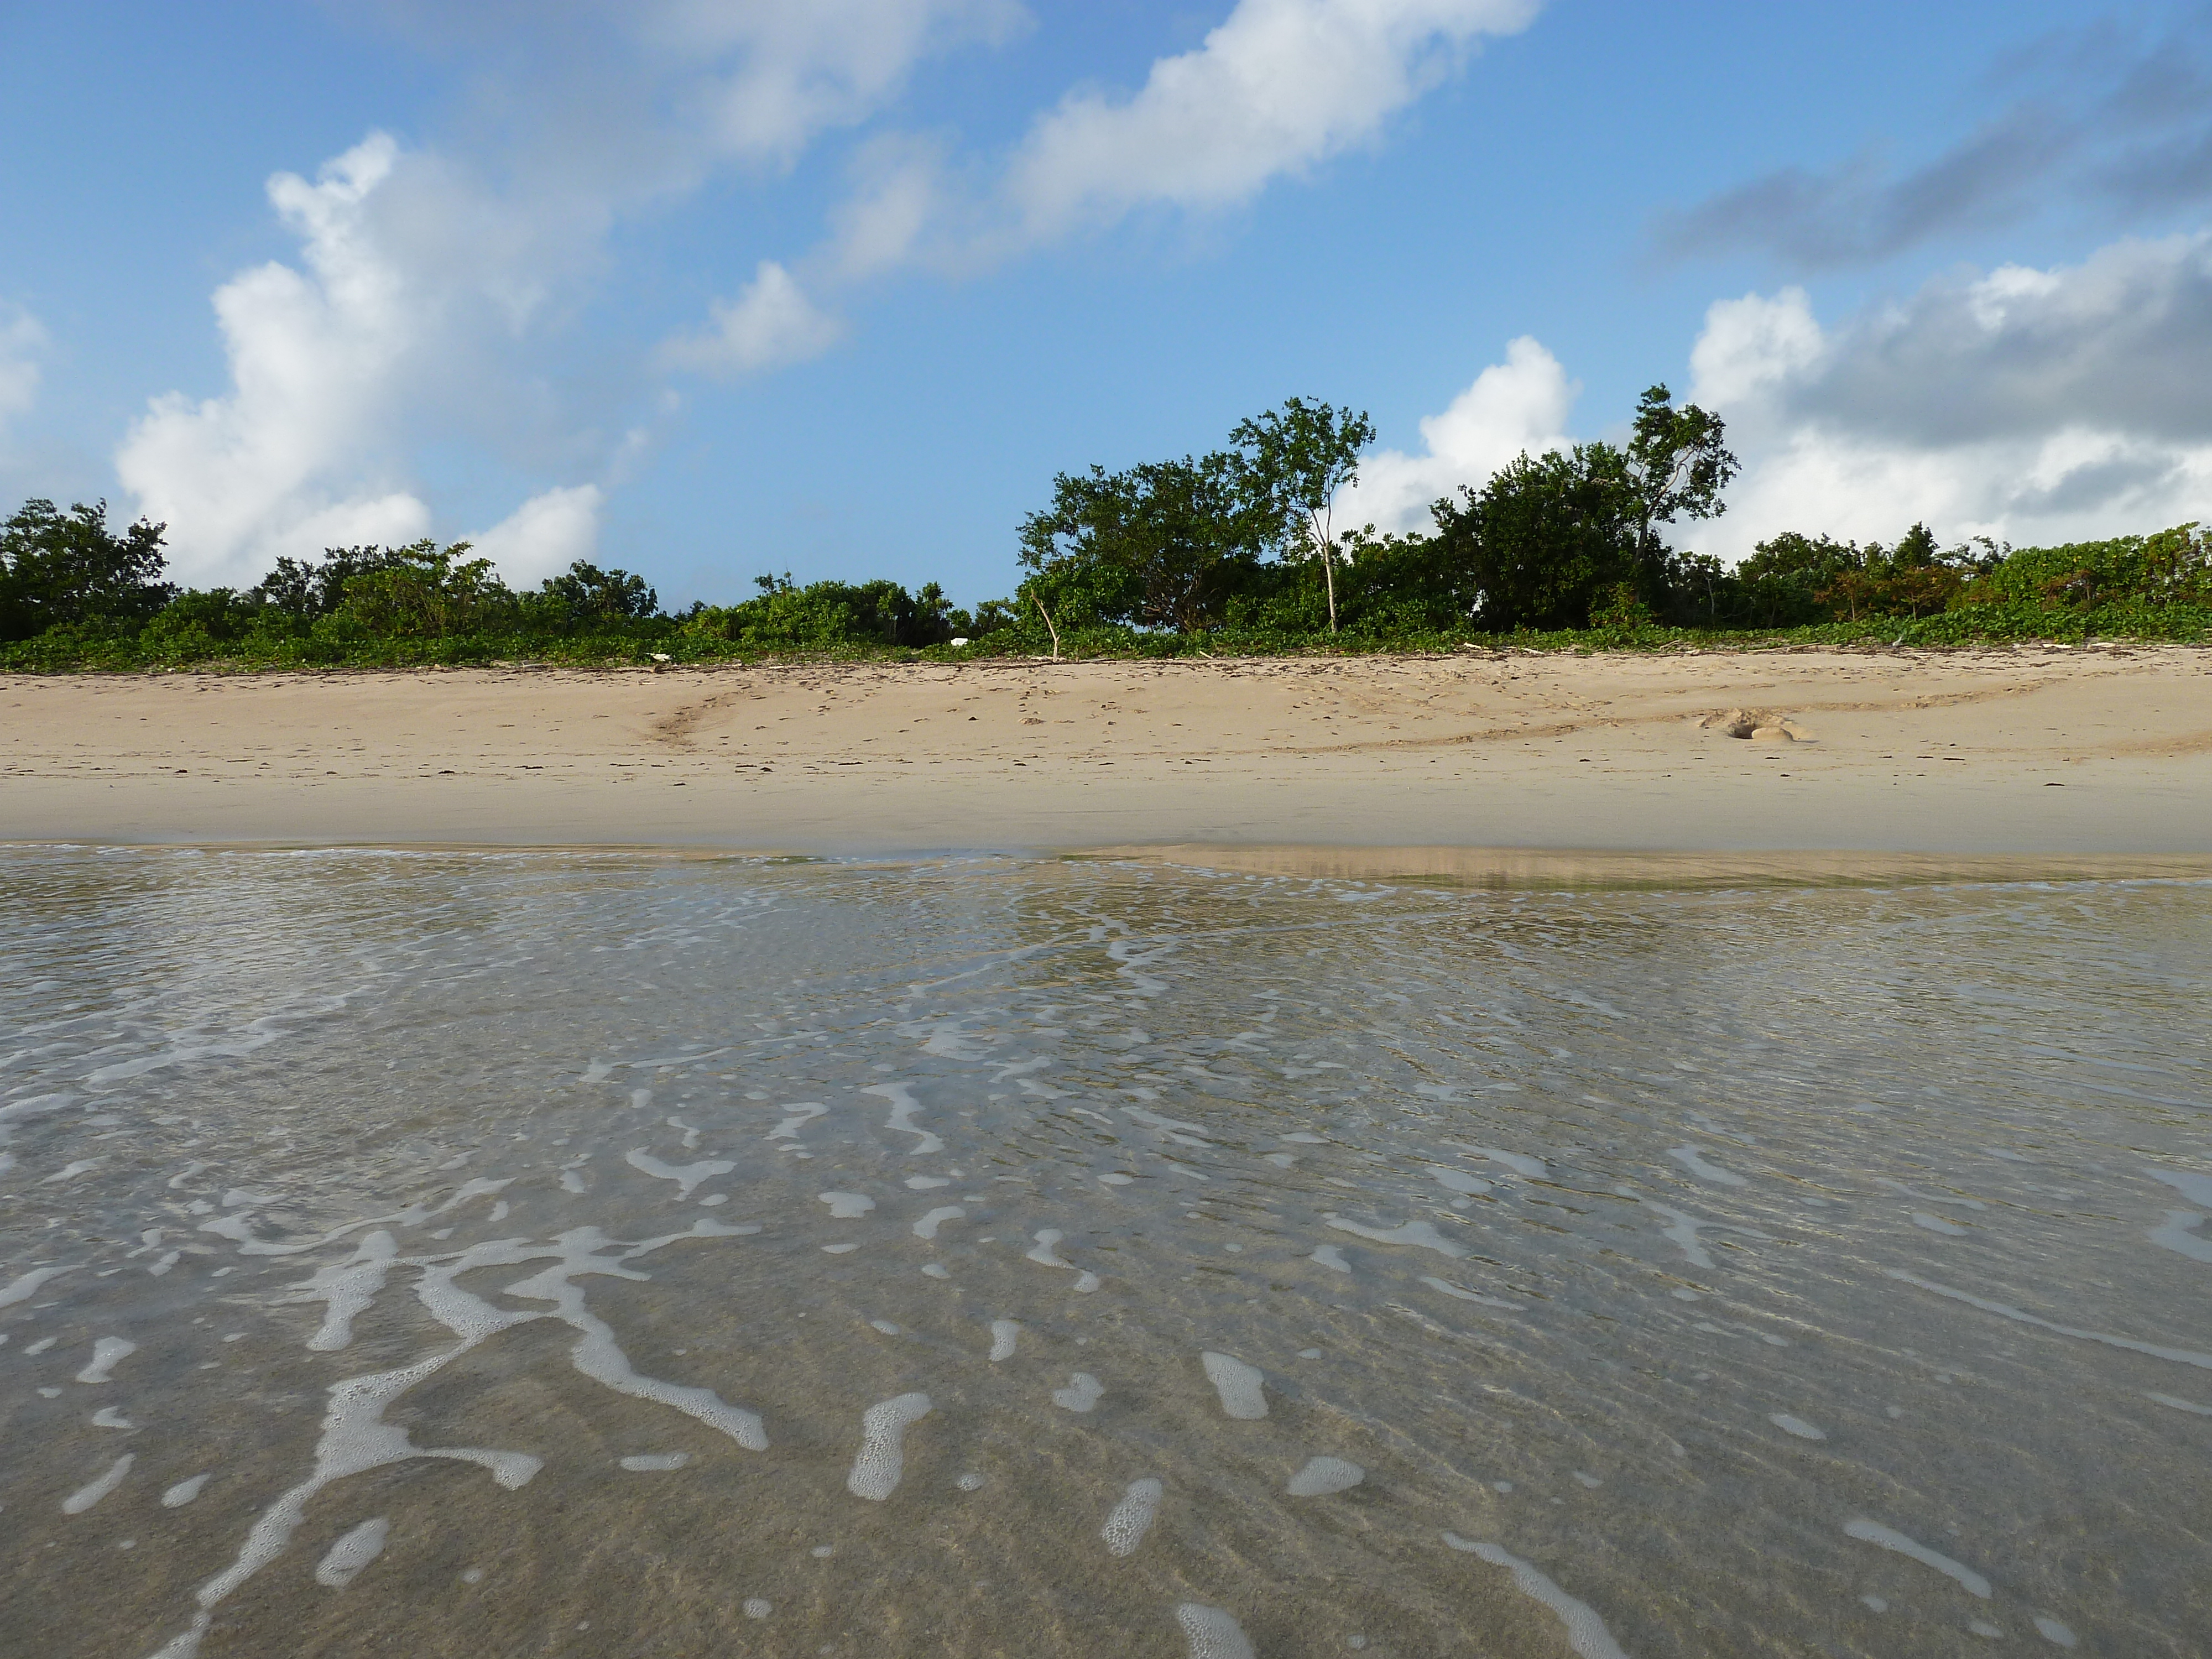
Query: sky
x=711 y=288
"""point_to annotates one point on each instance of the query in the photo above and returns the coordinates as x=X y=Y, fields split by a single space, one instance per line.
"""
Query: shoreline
x=1502 y=869
x=1463 y=768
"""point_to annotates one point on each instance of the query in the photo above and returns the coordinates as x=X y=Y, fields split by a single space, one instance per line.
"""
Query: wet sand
x=1453 y=768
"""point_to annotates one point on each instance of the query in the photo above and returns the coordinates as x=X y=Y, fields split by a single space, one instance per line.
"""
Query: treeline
x=1233 y=551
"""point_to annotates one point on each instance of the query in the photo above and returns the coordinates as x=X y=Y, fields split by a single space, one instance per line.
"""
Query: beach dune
x=1479 y=762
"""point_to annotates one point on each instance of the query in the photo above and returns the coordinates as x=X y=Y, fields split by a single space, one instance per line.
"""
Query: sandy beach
x=1474 y=766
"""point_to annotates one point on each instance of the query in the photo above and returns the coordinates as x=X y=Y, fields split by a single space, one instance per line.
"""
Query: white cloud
x=278 y=462
x=803 y=66
x=1751 y=346
x=544 y=536
x=419 y=309
x=1281 y=85
x=1522 y=403
x=902 y=198
x=408 y=282
x=2030 y=405
x=1278 y=87
x=22 y=343
x=770 y=323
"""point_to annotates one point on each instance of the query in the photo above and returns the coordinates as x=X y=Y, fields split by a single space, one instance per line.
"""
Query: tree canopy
x=1212 y=552
x=60 y=570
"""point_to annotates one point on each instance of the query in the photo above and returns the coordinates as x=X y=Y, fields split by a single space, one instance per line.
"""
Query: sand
x=1482 y=766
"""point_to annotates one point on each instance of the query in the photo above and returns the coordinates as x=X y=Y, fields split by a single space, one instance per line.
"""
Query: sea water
x=504 y=1255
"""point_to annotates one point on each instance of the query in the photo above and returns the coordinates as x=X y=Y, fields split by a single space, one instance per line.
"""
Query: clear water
x=595 y=1256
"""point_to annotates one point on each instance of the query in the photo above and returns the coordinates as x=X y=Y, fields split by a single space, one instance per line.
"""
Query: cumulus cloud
x=2027 y=405
x=408 y=282
x=22 y=343
x=771 y=323
x=1522 y=403
x=1277 y=87
x=1281 y=85
x=2115 y=126
x=768 y=75
x=424 y=294
x=544 y=536
x=313 y=355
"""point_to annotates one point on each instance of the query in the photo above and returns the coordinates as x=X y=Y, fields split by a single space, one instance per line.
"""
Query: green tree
x=824 y=616
x=1544 y=538
x=1298 y=457
x=305 y=592
x=426 y=591
x=1549 y=537
x=1162 y=545
x=1786 y=580
x=60 y=568
x=1677 y=464
x=584 y=596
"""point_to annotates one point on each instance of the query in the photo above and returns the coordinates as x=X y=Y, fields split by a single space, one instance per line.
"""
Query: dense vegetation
x=1233 y=551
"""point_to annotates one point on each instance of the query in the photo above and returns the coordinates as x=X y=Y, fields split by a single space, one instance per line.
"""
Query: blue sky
x=836 y=286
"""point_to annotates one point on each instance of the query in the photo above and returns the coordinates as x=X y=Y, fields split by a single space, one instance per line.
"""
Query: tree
x=423 y=590
x=1789 y=579
x=307 y=592
x=1548 y=537
x=60 y=568
x=1540 y=543
x=1163 y=544
x=1298 y=457
x=1677 y=464
x=585 y=596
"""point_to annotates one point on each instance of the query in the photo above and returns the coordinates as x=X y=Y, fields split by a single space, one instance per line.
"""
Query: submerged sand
x=1479 y=767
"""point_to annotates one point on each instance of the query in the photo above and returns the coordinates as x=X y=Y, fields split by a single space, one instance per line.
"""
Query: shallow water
x=596 y=1256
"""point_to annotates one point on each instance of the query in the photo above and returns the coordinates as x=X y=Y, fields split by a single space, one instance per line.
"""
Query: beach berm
x=2085 y=753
